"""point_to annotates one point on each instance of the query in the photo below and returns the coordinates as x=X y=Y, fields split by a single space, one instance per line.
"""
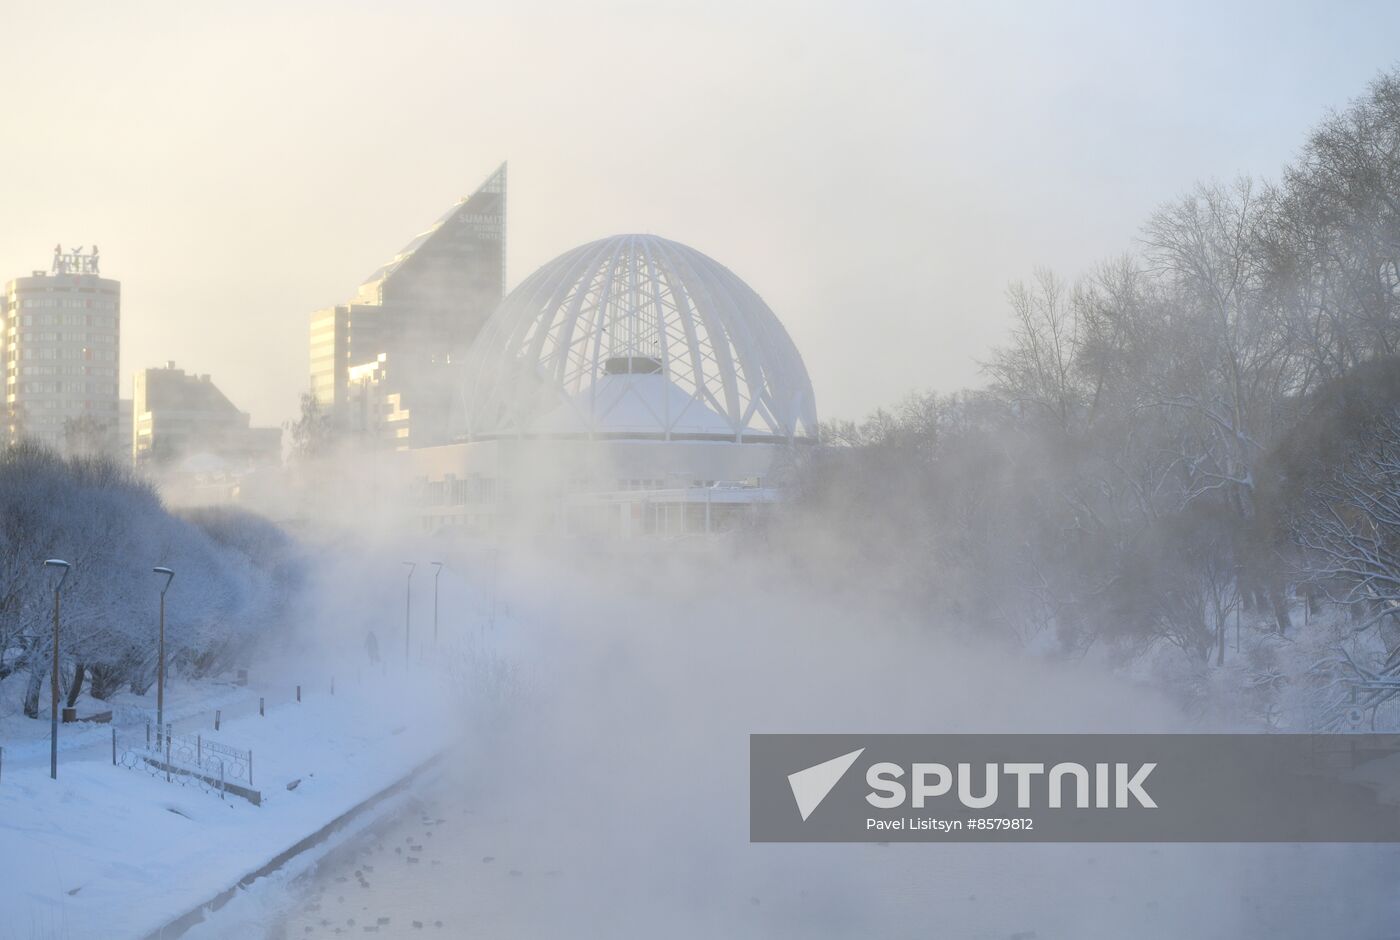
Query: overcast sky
x=878 y=172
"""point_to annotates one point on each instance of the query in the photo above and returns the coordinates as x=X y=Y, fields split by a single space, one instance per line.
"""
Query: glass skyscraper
x=387 y=365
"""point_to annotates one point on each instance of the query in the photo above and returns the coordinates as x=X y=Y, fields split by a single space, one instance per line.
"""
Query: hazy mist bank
x=599 y=784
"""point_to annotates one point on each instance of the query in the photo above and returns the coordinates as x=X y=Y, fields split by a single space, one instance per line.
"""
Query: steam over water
x=600 y=788
x=499 y=874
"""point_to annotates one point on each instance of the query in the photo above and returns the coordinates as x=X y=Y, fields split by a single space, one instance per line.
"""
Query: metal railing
x=189 y=760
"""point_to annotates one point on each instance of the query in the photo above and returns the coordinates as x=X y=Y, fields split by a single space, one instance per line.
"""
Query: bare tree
x=1038 y=366
x=312 y=432
x=1350 y=529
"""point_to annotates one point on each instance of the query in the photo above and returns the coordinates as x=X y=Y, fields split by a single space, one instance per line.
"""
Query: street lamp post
x=160 y=651
x=53 y=680
x=436 y=572
x=408 y=609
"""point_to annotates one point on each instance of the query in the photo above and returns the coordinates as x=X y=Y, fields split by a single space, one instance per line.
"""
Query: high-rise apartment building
x=62 y=330
x=387 y=365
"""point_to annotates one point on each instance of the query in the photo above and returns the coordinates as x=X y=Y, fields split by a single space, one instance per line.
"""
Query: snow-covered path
x=189 y=705
x=106 y=851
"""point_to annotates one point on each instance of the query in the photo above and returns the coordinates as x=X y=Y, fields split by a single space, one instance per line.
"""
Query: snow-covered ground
x=111 y=852
x=105 y=851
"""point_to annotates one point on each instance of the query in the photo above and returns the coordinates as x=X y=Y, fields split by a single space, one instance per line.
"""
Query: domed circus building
x=632 y=386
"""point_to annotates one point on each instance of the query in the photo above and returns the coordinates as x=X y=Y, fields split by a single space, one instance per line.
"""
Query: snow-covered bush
x=234 y=574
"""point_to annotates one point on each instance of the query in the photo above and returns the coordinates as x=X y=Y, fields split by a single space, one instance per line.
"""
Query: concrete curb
x=178 y=926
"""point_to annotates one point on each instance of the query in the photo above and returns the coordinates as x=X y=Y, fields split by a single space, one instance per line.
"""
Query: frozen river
x=603 y=792
x=443 y=867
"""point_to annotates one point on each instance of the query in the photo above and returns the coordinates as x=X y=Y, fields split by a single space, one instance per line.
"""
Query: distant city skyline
x=890 y=166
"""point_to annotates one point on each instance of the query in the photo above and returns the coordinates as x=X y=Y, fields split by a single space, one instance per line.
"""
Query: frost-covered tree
x=312 y=432
x=1134 y=474
x=1350 y=528
x=233 y=576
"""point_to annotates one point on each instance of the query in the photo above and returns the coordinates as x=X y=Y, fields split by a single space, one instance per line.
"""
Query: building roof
x=633 y=405
x=488 y=198
x=173 y=388
x=636 y=335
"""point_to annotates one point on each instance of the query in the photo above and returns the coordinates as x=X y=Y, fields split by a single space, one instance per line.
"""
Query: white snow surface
x=109 y=852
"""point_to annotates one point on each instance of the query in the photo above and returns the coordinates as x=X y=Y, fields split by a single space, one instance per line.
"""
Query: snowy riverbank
x=107 y=851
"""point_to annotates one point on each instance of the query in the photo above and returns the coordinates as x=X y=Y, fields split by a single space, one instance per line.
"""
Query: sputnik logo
x=811 y=786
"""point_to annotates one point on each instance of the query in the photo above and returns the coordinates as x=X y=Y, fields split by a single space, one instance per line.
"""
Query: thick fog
x=598 y=784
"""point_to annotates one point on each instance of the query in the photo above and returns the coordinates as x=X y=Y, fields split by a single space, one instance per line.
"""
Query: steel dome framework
x=638 y=337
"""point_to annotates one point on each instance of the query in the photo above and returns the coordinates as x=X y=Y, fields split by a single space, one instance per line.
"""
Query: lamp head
x=59 y=563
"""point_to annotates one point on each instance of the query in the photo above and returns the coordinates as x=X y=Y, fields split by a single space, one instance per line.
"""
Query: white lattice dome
x=637 y=337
